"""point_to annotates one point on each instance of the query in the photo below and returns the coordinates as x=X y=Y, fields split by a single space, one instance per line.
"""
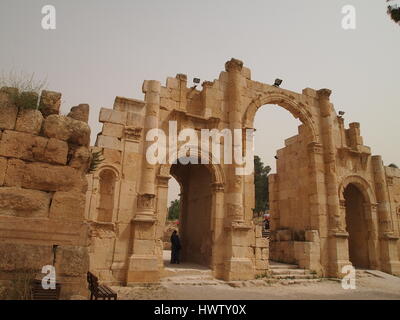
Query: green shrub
x=28 y=88
x=95 y=161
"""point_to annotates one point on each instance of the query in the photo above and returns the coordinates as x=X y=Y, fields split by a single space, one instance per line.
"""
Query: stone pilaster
x=144 y=265
x=338 y=237
x=388 y=241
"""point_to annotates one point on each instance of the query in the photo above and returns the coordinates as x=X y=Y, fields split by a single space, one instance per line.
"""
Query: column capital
x=234 y=65
x=324 y=93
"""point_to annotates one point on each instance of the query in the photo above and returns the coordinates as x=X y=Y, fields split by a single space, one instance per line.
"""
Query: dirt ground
x=372 y=285
x=367 y=288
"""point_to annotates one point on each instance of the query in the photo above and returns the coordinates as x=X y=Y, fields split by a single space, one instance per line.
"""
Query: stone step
x=188 y=278
x=193 y=282
x=298 y=281
x=278 y=265
x=293 y=276
x=170 y=272
x=289 y=271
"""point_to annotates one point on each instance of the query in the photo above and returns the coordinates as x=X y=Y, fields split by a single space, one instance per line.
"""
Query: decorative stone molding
x=163 y=180
x=146 y=201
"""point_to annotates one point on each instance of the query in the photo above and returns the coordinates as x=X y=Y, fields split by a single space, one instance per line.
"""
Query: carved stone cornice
x=163 y=180
x=146 y=201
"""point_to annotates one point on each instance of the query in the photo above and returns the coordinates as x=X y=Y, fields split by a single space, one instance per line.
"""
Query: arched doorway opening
x=279 y=148
x=191 y=187
x=356 y=226
x=195 y=212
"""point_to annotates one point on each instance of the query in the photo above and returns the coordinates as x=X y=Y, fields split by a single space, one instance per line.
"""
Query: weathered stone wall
x=44 y=157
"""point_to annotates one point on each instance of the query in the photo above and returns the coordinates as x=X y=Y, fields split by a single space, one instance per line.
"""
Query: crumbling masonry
x=44 y=158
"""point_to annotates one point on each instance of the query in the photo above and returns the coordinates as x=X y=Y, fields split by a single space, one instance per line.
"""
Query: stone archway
x=202 y=209
x=195 y=212
x=296 y=178
x=289 y=102
x=107 y=184
x=357 y=227
x=359 y=220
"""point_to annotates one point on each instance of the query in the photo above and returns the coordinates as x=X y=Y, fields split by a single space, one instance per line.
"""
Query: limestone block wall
x=260 y=251
x=44 y=157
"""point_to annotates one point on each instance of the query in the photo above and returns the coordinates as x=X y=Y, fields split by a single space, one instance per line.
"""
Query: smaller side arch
x=107 y=177
x=110 y=167
x=362 y=185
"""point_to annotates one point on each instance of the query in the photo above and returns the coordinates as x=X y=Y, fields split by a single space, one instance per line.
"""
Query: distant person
x=266 y=224
x=175 y=247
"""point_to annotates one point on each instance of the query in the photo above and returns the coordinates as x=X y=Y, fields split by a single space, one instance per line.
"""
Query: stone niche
x=44 y=157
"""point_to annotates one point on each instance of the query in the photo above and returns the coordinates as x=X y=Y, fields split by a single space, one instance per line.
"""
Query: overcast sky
x=101 y=49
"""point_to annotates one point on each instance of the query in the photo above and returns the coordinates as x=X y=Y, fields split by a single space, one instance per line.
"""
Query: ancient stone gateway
x=332 y=203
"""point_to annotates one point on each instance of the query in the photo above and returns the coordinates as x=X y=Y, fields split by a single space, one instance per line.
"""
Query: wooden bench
x=99 y=291
x=39 y=293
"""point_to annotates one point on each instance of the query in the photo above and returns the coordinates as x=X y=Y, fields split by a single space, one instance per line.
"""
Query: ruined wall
x=43 y=161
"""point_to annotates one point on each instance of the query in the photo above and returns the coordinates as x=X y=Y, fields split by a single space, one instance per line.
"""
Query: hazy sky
x=102 y=49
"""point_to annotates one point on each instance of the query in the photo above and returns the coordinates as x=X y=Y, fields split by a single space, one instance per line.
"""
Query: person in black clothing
x=175 y=247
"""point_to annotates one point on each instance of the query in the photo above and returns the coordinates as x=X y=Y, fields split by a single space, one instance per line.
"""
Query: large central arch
x=287 y=101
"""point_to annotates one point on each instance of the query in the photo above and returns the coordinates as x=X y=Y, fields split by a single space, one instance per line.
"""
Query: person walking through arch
x=175 y=247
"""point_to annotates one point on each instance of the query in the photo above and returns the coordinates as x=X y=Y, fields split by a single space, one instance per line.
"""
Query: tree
x=173 y=210
x=394 y=12
x=261 y=185
x=392 y=165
